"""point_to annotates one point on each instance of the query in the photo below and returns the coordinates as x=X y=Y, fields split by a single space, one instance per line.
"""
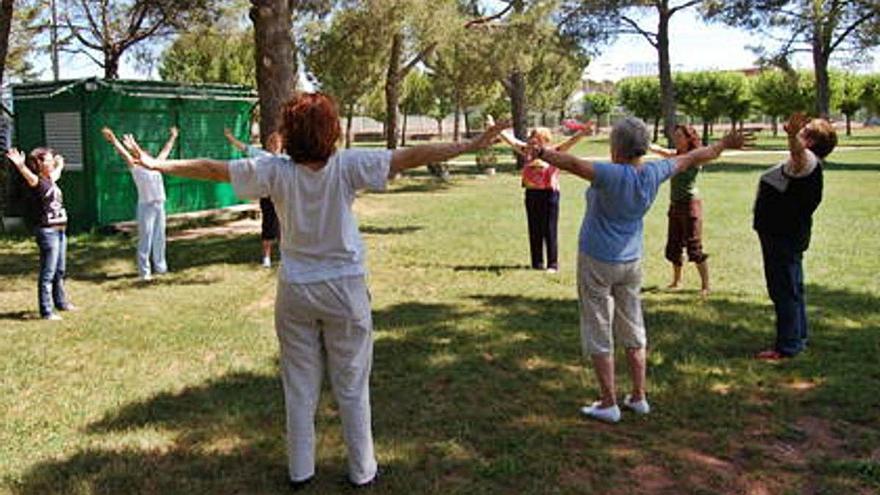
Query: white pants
x=151 y=237
x=610 y=305
x=326 y=322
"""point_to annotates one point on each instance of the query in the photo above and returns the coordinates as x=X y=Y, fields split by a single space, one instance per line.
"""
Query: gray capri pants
x=608 y=297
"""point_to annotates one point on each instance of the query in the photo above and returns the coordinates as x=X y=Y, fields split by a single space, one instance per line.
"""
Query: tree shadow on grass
x=396 y=230
x=480 y=395
x=729 y=165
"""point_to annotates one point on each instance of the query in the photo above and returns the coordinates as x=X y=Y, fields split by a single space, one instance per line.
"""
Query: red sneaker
x=770 y=355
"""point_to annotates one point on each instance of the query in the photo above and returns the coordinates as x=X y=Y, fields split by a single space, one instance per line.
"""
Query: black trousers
x=542 y=210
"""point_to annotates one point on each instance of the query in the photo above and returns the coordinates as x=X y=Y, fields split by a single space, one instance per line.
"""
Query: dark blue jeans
x=784 y=272
x=53 y=254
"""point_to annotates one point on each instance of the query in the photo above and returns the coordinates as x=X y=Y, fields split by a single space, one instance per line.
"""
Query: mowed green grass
x=173 y=387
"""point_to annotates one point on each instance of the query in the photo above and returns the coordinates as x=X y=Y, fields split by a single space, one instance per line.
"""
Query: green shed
x=98 y=189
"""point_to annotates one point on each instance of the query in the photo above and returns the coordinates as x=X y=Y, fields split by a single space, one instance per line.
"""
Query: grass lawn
x=173 y=387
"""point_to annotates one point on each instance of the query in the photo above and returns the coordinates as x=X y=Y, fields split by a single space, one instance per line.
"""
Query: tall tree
x=460 y=73
x=274 y=58
x=622 y=17
x=6 y=16
x=852 y=95
x=820 y=27
x=779 y=93
x=340 y=59
x=417 y=98
x=105 y=30
x=598 y=104
x=210 y=55
x=641 y=96
x=709 y=95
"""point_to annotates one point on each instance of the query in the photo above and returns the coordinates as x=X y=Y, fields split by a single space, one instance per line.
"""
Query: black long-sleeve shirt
x=788 y=211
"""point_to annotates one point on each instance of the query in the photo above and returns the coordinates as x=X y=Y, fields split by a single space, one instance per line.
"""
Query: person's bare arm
x=431 y=153
x=564 y=161
x=120 y=149
x=705 y=154
x=797 y=151
x=55 y=174
x=575 y=138
x=18 y=160
x=660 y=150
x=240 y=146
x=196 y=168
x=169 y=145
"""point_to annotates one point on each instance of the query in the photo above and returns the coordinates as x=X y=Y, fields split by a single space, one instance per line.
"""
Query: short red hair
x=310 y=125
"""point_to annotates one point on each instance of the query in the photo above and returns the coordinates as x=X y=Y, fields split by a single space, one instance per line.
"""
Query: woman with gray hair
x=610 y=251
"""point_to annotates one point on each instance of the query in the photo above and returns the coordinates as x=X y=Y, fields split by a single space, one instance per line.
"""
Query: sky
x=694 y=45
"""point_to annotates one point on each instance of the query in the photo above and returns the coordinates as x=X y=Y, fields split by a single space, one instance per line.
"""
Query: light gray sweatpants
x=326 y=322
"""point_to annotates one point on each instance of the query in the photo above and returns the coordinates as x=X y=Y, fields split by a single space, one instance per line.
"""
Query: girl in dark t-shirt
x=41 y=170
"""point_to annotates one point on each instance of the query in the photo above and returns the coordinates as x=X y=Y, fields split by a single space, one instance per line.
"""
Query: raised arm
x=240 y=146
x=660 y=150
x=55 y=174
x=196 y=168
x=169 y=145
x=705 y=154
x=18 y=160
x=120 y=149
x=797 y=151
x=431 y=153
x=573 y=140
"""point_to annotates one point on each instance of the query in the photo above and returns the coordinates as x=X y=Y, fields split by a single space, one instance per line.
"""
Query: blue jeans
x=53 y=255
x=784 y=272
x=151 y=237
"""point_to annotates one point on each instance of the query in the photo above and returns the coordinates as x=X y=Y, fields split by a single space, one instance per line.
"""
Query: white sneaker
x=146 y=277
x=267 y=262
x=606 y=414
x=638 y=407
x=53 y=317
x=552 y=270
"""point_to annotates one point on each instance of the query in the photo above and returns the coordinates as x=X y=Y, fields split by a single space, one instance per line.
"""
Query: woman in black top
x=41 y=170
x=788 y=194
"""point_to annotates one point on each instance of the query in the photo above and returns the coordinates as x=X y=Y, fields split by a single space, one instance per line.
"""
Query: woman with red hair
x=685 y=230
x=322 y=298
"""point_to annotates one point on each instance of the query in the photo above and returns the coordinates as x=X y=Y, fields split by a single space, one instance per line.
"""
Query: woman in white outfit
x=322 y=297
x=150 y=207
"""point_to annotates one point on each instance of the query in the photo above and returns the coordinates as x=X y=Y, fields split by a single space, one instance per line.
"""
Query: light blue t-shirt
x=617 y=200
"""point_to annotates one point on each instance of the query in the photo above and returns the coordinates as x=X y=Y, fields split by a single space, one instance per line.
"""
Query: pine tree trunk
x=848 y=125
x=456 y=129
x=6 y=11
x=349 y=116
x=518 y=107
x=403 y=132
x=667 y=87
x=392 y=91
x=820 y=63
x=275 y=60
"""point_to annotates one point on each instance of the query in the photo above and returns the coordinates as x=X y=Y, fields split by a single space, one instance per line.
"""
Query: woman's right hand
x=16 y=157
x=138 y=155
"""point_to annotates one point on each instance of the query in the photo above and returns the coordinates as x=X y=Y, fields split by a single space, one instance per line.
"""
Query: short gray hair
x=630 y=138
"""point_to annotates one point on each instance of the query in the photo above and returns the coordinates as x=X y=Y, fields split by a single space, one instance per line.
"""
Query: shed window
x=64 y=135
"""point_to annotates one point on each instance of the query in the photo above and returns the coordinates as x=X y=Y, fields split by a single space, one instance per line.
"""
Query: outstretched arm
x=797 y=151
x=570 y=163
x=704 y=154
x=120 y=149
x=169 y=145
x=573 y=140
x=660 y=150
x=432 y=153
x=507 y=136
x=240 y=146
x=196 y=168
x=18 y=160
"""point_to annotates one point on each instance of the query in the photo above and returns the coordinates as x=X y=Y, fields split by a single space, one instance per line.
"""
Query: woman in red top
x=541 y=182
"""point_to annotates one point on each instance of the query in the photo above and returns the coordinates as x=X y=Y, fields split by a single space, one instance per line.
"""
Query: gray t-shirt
x=319 y=233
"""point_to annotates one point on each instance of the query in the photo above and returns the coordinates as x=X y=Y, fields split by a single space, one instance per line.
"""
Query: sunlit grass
x=173 y=387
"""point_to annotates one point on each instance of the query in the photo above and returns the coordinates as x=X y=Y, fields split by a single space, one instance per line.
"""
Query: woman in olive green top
x=685 y=212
